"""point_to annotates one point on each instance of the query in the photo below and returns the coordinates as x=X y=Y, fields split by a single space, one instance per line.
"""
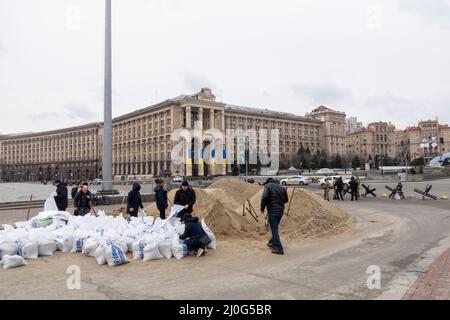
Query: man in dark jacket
x=134 y=201
x=193 y=234
x=83 y=200
x=274 y=198
x=339 y=188
x=61 y=198
x=353 y=188
x=185 y=197
x=161 y=198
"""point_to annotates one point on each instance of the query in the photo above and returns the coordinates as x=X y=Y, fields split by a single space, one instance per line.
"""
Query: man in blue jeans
x=274 y=198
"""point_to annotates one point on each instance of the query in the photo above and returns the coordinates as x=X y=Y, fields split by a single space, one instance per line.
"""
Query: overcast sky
x=377 y=60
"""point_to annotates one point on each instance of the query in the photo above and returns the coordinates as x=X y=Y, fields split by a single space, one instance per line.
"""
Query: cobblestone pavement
x=434 y=284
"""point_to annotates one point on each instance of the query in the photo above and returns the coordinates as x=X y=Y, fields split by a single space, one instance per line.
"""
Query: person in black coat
x=134 y=201
x=193 y=234
x=339 y=188
x=161 y=198
x=185 y=197
x=61 y=198
x=83 y=201
x=274 y=199
x=353 y=188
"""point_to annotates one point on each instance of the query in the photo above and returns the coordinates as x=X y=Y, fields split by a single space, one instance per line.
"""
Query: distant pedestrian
x=339 y=188
x=353 y=188
x=333 y=185
x=75 y=189
x=358 y=186
x=274 y=199
x=83 y=200
x=161 y=198
x=326 y=190
x=62 y=194
x=185 y=196
x=134 y=201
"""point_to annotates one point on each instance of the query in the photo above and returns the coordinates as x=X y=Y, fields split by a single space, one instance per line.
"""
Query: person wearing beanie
x=61 y=198
x=185 y=197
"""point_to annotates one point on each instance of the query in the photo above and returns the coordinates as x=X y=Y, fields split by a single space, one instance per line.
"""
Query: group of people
x=338 y=187
x=194 y=236
x=273 y=200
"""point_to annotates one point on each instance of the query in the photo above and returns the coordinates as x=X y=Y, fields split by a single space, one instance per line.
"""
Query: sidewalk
x=434 y=284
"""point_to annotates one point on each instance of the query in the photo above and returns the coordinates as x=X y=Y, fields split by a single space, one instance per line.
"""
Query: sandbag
x=165 y=248
x=8 y=248
x=50 y=203
x=100 y=255
x=179 y=248
x=9 y=261
x=213 y=244
x=138 y=249
x=46 y=248
x=29 y=250
x=78 y=244
x=151 y=251
x=89 y=247
x=115 y=255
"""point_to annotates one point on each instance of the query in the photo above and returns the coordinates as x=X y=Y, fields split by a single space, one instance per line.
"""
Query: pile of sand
x=221 y=205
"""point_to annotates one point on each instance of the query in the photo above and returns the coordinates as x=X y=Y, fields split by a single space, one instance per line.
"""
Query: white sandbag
x=100 y=255
x=9 y=261
x=67 y=243
x=8 y=248
x=89 y=247
x=165 y=248
x=78 y=244
x=179 y=227
x=151 y=251
x=29 y=250
x=179 y=248
x=138 y=249
x=50 y=203
x=46 y=247
x=115 y=255
x=122 y=244
x=213 y=244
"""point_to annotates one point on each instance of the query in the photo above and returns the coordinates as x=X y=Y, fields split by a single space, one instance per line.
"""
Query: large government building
x=142 y=140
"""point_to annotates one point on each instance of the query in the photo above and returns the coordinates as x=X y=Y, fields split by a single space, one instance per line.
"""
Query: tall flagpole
x=107 y=126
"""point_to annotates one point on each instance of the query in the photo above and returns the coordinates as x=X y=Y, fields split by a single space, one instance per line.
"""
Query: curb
x=400 y=285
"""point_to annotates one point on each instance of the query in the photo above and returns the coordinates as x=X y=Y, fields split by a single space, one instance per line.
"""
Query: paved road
x=390 y=234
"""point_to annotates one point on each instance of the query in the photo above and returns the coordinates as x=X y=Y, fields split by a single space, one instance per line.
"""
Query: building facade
x=72 y=153
x=334 y=129
x=353 y=124
x=378 y=139
x=142 y=140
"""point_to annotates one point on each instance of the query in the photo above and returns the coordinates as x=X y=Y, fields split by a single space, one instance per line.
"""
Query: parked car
x=325 y=171
x=330 y=180
x=249 y=179
x=177 y=179
x=97 y=182
x=296 y=180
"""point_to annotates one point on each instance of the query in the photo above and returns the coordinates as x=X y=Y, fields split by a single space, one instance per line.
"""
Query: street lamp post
x=107 y=126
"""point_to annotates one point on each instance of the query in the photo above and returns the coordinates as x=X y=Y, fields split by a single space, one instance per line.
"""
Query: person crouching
x=195 y=237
